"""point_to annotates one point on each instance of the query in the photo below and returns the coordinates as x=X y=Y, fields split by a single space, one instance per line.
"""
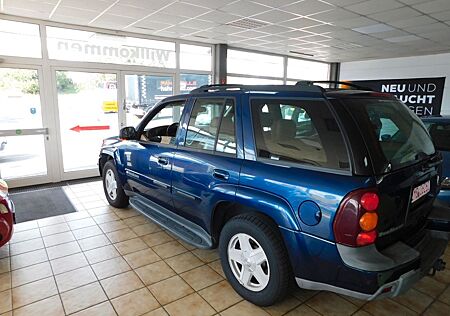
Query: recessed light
x=247 y=23
x=403 y=39
x=375 y=28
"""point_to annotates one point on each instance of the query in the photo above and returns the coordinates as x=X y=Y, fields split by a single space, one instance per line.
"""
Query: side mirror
x=128 y=132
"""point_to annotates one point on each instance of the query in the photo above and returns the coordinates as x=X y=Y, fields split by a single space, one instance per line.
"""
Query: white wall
x=402 y=68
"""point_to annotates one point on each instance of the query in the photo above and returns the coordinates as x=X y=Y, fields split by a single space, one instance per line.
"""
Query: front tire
x=113 y=188
x=254 y=259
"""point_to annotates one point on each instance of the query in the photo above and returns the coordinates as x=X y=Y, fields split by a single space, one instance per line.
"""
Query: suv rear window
x=395 y=136
x=303 y=132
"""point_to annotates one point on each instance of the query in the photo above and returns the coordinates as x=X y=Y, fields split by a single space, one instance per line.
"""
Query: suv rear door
x=205 y=164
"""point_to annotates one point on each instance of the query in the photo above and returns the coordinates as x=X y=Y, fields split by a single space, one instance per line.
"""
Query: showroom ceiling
x=331 y=30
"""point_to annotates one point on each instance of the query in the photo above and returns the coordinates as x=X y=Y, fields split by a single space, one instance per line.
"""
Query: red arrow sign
x=79 y=128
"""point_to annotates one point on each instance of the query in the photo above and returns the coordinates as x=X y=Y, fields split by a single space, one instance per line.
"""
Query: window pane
x=440 y=133
x=307 y=70
x=158 y=130
x=195 y=57
x=226 y=141
x=189 y=82
x=19 y=39
x=68 y=44
x=203 y=124
x=298 y=131
x=252 y=81
x=254 y=64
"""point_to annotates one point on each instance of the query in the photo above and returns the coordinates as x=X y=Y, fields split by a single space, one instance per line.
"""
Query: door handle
x=163 y=161
x=221 y=174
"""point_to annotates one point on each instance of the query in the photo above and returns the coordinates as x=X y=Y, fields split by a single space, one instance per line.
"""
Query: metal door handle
x=163 y=161
x=221 y=174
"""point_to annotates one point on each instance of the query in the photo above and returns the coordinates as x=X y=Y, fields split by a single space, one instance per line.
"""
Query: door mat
x=37 y=204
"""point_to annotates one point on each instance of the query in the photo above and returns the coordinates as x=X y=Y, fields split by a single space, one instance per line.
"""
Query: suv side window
x=162 y=128
x=302 y=132
x=440 y=132
x=211 y=126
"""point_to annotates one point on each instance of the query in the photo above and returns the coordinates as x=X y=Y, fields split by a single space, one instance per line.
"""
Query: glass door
x=88 y=113
x=23 y=134
x=142 y=92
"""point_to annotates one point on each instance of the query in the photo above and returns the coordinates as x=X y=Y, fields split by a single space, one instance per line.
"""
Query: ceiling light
x=375 y=28
x=403 y=39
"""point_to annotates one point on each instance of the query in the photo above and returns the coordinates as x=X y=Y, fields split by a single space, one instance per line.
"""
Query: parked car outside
x=7 y=216
x=331 y=188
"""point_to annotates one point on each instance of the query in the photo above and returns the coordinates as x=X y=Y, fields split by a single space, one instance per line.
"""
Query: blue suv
x=330 y=188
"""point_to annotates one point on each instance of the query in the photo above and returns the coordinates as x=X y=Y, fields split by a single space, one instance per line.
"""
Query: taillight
x=357 y=219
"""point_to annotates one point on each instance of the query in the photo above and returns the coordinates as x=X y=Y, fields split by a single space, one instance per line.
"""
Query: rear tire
x=254 y=259
x=113 y=188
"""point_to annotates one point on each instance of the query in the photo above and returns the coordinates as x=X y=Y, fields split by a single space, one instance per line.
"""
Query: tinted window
x=440 y=133
x=395 y=136
x=211 y=119
x=298 y=131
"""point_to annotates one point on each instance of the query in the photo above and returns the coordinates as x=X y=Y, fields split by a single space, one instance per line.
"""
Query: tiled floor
x=105 y=261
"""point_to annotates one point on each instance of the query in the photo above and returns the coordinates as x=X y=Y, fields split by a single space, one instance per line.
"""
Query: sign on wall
x=422 y=95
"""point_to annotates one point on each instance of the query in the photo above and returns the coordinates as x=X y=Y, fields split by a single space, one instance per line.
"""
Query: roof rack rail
x=217 y=87
x=335 y=83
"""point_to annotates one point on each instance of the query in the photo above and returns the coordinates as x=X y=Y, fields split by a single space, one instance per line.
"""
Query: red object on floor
x=6 y=214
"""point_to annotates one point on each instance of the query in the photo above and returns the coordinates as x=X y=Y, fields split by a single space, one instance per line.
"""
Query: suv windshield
x=394 y=135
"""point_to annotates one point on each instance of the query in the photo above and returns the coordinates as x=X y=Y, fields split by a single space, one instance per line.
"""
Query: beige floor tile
x=358 y=313
x=105 y=218
x=169 y=249
x=131 y=245
x=207 y=256
x=112 y=226
x=5 y=301
x=81 y=223
x=54 y=229
x=186 y=245
x=355 y=301
x=70 y=280
x=438 y=309
x=76 y=216
x=28 y=259
x=445 y=296
x=141 y=258
x=178 y=308
x=33 y=292
x=87 y=232
x=281 y=308
x=126 y=213
x=303 y=295
x=304 y=310
x=68 y=263
x=63 y=250
x=217 y=266
x=99 y=211
x=26 y=246
x=327 y=303
x=414 y=300
x=157 y=312
x=101 y=254
x=184 y=262
x=135 y=221
x=25 y=226
x=244 y=308
x=94 y=204
x=4 y=252
x=5 y=265
x=220 y=296
x=145 y=229
x=170 y=290
x=201 y=277
x=103 y=309
x=93 y=242
x=25 y=235
x=386 y=307
x=154 y=272
x=121 y=284
x=157 y=238
x=5 y=281
x=83 y=297
x=430 y=286
x=51 y=306
x=32 y=273
x=58 y=239
x=108 y=268
x=443 y=276
x=50 y=221
x=121 y=235
x=135 y=303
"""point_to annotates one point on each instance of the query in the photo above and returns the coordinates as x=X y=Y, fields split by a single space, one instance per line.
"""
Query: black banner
x=422 y=95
